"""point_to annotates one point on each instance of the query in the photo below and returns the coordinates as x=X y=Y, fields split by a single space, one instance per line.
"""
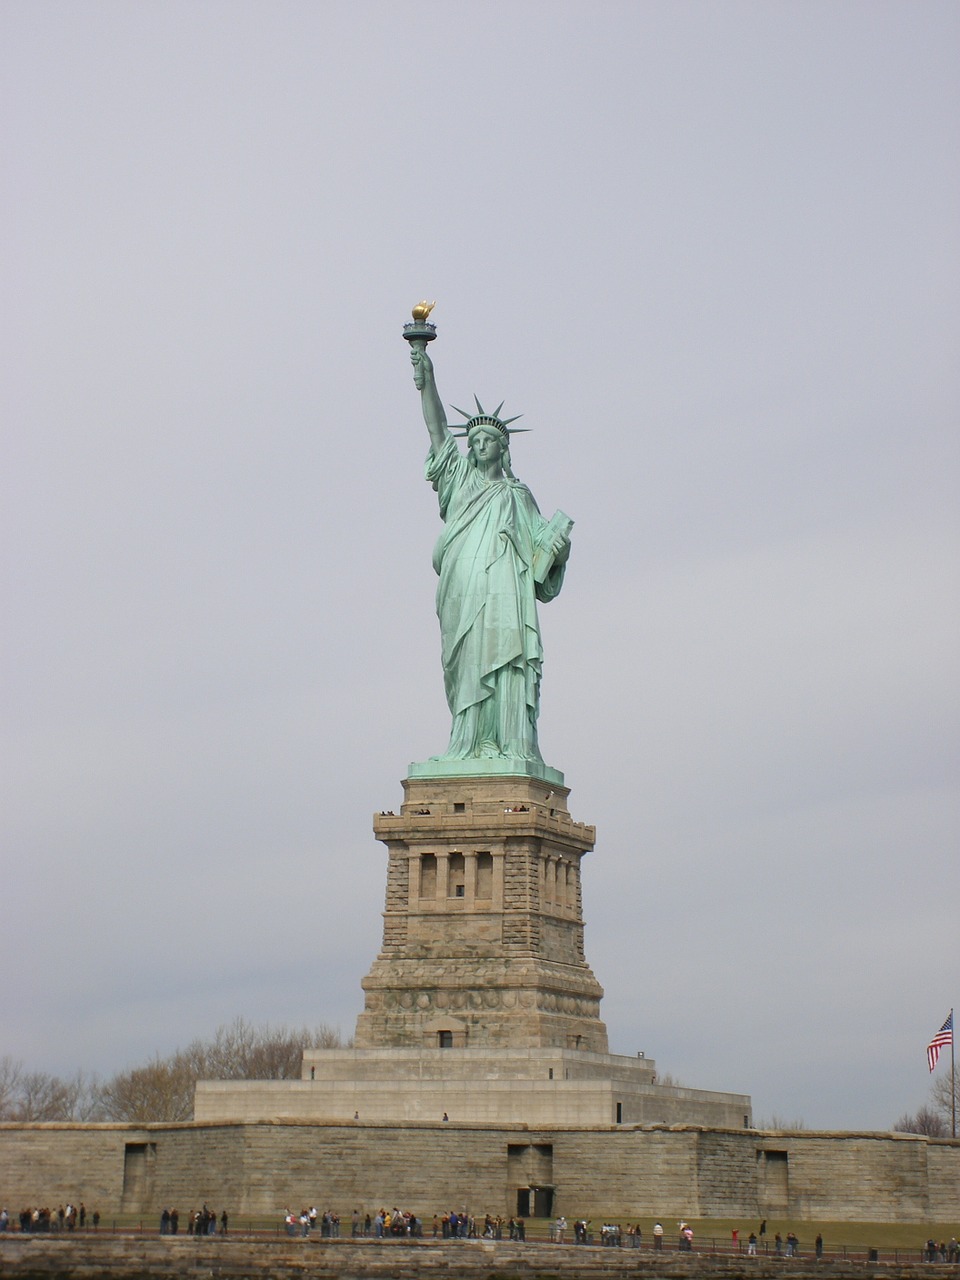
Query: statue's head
x=491 y=428
x=486 y=441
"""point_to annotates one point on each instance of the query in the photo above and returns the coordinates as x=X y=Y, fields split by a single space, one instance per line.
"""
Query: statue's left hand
x=561 y=549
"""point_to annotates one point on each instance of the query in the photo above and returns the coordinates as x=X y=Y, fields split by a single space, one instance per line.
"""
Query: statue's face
x=487 y=446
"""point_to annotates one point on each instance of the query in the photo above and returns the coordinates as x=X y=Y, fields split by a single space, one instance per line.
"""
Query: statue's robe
x=486 y=603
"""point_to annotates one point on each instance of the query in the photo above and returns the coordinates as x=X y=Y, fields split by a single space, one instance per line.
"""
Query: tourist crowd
x=67 y=1217
x=200 y=1222
x=402 y=1223
x=454 y=1225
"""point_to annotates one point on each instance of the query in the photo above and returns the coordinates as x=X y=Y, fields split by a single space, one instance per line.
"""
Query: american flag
x=940 y=1041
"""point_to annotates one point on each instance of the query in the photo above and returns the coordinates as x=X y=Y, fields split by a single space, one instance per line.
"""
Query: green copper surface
x=496 y=558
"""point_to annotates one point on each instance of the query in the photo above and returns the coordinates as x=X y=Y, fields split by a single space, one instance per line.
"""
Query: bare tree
x=926 y=1121
x=86 y=1108
x=782 y=1123
x=240 y=1051
x=11 y=1073
x=44 y=1097
x=935 y=1118
x=944 y=1100
x=35 y=1096
x=667 y=1080
x=163 y=1090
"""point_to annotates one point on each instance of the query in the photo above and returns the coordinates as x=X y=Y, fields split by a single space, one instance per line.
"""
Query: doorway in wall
x=535 y=1202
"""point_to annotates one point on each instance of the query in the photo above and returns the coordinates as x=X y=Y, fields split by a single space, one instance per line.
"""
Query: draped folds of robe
x=486 y=603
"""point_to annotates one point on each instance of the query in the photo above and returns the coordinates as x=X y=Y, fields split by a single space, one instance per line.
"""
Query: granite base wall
x=626 y=1171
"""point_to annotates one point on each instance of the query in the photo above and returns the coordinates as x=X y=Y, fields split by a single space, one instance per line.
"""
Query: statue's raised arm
x=426 y=384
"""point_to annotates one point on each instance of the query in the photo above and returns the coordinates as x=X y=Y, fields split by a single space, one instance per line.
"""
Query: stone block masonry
x=483 y=926
x=625 y=1171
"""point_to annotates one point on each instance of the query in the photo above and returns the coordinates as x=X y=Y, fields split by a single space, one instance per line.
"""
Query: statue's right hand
x=422 y=367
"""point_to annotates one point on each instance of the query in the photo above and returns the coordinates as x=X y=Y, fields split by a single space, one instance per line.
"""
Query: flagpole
x=953 y=1076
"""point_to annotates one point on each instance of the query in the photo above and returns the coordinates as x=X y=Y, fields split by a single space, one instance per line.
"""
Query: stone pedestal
x=483 y=927
x=480 y=1006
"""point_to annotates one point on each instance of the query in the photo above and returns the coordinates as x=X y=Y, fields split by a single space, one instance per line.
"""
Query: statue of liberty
x=496 y=557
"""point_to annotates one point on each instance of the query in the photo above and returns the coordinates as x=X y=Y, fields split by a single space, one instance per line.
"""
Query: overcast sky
x=710 y=251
